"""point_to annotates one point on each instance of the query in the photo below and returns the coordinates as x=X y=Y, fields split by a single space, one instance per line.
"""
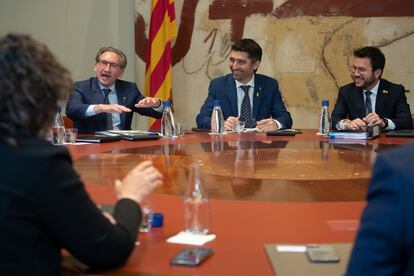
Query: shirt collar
x=374 y=90
x=112 y=87
x=250 y=82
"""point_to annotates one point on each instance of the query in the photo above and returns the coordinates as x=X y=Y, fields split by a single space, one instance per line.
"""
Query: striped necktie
x=246 y=108
x=368 y=104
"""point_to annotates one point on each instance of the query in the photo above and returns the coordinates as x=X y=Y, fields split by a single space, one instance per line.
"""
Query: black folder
x=401 y=133
x=97 y=139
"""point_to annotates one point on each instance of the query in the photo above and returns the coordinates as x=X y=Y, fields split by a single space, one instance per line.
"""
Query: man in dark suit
x=105 y=102
x=245 y=95
x=370 y=99
x=385 y=241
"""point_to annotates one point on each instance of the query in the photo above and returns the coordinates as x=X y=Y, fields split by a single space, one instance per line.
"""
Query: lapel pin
x=384 y=91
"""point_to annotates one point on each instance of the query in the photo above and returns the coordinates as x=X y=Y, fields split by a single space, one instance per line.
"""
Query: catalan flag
x=158 y=71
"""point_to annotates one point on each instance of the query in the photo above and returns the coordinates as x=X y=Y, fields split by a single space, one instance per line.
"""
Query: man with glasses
x=104 y=102
x=371 y=100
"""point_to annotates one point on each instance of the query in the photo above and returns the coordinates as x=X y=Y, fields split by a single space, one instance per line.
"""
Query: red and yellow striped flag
x=158 y=71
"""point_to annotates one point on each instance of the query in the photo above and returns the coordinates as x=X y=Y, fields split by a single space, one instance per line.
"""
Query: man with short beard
x=371 y=100
x=244 y=94
x=105 y=102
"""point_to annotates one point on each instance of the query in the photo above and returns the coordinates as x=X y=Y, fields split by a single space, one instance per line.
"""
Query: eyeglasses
x=361 y=70
x=112 y=65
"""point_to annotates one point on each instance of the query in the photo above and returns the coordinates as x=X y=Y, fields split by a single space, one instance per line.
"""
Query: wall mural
x=307 y=44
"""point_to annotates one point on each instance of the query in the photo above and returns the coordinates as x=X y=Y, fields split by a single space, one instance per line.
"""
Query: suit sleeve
x=75 y=222
x=279 y=111
x=203 y=119
x=402 y=115
x=75 y=107
x=340 y=110
x=378 y=247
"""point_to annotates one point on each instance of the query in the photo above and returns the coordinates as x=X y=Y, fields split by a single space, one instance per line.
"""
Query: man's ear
x=378 y=73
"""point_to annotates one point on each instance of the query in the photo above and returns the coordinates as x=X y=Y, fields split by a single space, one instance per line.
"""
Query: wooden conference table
x=298 y=189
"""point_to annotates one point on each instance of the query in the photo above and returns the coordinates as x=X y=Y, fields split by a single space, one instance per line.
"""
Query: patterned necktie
x=246 y=108
x=368 y=104
x=109 y=125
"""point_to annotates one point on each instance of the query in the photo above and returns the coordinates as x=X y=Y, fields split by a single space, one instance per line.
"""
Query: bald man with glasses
x=105 y=102
x=370 y=100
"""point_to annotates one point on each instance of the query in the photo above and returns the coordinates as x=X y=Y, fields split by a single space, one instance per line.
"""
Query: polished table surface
x=262 y=189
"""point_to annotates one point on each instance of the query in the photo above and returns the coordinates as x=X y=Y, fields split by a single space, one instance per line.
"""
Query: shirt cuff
x=90 y=111
x=159 y=108
x=391 y=124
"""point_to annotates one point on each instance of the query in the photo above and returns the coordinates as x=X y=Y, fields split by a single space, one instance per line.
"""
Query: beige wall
x=307 y=54
x=74 y=29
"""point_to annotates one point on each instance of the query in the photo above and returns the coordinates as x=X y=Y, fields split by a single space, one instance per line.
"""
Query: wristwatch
x=385 y=123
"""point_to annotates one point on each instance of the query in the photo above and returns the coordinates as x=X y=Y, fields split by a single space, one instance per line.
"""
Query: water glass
x=71 y=134
x=179 y=128
x=239 y=126
x=146 y=222
x=58 y=135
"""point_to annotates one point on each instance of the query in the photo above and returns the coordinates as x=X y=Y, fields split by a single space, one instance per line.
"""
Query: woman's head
x=32 y=84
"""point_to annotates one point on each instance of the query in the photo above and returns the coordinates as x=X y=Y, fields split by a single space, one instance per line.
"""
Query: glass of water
x=58 y=135
x=239 y=126
x=147 y=213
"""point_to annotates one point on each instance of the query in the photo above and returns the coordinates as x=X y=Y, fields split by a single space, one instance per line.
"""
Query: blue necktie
x=109 y=124
x=368 y=104
x=246 y=108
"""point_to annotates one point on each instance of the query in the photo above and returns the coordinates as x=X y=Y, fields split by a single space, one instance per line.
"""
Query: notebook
x=295 y=262
x=97 y=139
x=401 y=133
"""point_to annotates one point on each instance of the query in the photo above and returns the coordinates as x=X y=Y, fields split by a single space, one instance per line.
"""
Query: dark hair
x=375 y=55
x=32 y=83
x=121 y=55
x=250 y=47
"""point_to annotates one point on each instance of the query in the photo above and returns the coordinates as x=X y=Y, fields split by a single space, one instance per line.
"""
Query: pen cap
x=325 y=103
x=216 y=103
x=167 y=104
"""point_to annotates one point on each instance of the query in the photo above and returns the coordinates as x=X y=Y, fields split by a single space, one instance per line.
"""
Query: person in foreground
x=245 y=95
x=371 y=100
x=105 y=102
x=44 y=206
x=385 y=241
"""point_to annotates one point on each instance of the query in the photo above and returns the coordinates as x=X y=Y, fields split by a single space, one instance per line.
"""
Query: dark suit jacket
x=44 y=207
x=385 y=241
x=267 y=101
x=391 y=103
x=88 y=92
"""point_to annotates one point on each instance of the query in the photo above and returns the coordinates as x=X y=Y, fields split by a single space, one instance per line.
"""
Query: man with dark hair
x=105 y=102
x=245 y=95
x=370 y=99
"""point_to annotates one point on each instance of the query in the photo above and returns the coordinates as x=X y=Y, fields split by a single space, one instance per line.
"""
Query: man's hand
x=110 y=108
x=373 y=119
x=267 y=125
x=148 y=102
x=356 y=124
x=230 y=122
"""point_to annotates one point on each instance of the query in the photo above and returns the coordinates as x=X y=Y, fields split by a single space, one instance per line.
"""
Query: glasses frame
x=362 y=71
x=104 y=63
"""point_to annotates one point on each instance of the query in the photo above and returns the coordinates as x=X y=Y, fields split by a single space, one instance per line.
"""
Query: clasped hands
x=263 y=125
x=117 y=108
x=361 y=124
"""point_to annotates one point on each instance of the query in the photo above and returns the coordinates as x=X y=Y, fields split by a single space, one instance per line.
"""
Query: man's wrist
x=385 y=123
x=159 y=104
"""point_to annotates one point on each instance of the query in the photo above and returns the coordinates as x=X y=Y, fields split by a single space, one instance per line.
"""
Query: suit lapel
x=97 y=93
x=359 y=101
x=231 y=92
x=257 y=96
x=381 y=98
